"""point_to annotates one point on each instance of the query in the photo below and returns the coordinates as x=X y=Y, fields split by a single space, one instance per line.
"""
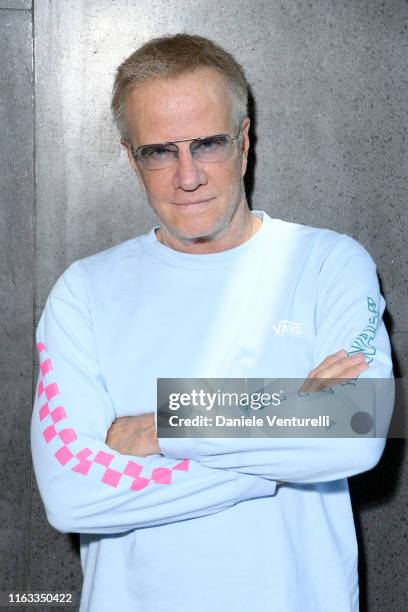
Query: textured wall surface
x=15 y=4
x=16 y=293
x=330 y=87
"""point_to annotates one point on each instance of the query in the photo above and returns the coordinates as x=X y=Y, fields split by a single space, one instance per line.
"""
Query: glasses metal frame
x=174 y=142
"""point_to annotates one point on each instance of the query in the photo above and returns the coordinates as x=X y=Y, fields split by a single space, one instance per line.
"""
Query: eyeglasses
x=208 y=150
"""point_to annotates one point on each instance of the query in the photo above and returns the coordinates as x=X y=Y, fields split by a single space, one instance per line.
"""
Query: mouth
x=194 y=204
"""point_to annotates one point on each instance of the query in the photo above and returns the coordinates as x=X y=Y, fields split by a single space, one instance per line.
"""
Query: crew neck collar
x=152 y=244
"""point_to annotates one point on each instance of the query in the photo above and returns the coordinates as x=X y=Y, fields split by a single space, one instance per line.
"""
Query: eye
x=157 y=152
x=211 y=144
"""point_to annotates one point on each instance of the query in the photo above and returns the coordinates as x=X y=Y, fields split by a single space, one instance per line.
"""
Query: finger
x=341 y=367
x=328 y=361
x=345 y=362
x=328 y=370
x=318 y=384
x=334 y=357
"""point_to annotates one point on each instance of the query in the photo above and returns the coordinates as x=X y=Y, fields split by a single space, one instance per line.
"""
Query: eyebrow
x=167 y=142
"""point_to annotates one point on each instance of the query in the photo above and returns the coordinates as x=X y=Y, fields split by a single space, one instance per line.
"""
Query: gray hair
x=171 y=56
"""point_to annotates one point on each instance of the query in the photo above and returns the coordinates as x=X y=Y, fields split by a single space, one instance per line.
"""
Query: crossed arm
x=136 y=435
x=100 y=475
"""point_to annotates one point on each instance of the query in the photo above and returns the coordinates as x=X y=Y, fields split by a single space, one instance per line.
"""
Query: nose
x=188 y=175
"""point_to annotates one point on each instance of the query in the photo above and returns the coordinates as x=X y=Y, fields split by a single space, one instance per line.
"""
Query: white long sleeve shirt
x=203 y=525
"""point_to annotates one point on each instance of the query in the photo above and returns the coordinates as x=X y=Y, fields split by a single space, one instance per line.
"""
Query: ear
x=245 y=144
x=133 y=163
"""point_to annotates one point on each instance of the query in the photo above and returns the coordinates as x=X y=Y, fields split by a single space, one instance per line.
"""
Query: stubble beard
x=220 y=227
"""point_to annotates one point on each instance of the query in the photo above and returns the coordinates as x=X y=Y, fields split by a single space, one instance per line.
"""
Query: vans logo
x=288 y=328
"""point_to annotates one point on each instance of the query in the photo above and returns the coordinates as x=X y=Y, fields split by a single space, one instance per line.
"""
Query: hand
x=334 y=367
x=134 y=435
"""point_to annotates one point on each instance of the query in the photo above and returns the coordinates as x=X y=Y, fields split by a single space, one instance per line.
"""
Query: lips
x=193 y=203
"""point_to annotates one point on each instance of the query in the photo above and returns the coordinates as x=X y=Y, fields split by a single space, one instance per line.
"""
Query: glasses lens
x=157 y=156
x=212 y=149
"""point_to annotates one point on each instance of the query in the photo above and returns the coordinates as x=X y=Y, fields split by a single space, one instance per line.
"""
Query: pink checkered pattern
x=49 y=417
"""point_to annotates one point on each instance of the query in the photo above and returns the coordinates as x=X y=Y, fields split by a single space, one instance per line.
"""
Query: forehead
x=185 y=106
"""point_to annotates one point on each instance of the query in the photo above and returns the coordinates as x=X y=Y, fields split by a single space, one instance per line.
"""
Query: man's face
x=192 y=199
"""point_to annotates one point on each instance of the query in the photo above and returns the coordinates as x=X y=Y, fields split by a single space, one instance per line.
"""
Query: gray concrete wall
x=330 y=87
x=16 y=291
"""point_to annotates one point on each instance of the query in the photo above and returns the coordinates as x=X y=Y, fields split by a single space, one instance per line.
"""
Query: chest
x=243 y=324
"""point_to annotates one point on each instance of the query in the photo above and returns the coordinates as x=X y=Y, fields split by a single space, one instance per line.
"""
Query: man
x=206 y=293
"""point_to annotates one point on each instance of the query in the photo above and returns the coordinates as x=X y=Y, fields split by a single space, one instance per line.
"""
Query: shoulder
x=324 y=245
x=99 y=268
x=114 y=256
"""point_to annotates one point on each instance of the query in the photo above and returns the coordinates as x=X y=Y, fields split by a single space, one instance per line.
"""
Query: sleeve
x=84 y=484
x=348 y=315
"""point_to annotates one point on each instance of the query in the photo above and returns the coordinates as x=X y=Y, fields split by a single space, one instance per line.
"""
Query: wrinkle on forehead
x=187 y=106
